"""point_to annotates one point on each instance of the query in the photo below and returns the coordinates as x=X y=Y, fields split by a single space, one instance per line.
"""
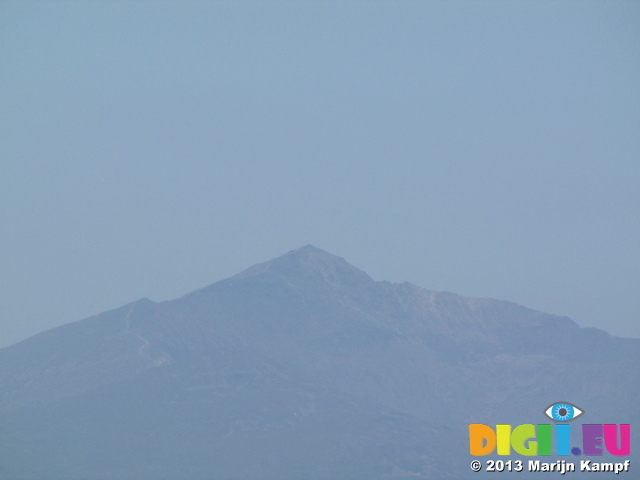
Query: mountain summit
x=310 y=261
x=301 y=367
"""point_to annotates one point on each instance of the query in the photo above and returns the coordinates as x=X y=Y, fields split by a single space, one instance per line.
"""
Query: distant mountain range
x=302 y=367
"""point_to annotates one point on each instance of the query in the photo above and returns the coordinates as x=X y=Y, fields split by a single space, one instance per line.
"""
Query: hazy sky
x=486 y=148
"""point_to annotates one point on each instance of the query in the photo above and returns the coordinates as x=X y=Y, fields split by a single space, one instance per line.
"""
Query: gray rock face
x=302 y=367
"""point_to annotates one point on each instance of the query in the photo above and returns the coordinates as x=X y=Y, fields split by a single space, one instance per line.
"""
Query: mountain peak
x=310 y=261
x=309 y=250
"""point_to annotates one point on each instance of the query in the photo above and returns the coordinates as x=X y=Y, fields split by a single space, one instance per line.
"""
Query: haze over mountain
x=299 y=367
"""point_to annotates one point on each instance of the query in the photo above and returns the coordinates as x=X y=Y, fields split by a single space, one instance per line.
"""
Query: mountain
x=302 y=367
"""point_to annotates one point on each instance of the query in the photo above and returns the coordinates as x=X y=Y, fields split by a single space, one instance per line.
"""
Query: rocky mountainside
x=302 y=367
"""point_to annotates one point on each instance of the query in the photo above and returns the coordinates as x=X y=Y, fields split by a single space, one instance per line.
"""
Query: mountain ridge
x=312 y=268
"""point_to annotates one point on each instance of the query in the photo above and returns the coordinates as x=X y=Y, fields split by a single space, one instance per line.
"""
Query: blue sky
x=488 y=148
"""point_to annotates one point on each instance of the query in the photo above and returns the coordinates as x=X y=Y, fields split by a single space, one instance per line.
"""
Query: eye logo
x=562 y=412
